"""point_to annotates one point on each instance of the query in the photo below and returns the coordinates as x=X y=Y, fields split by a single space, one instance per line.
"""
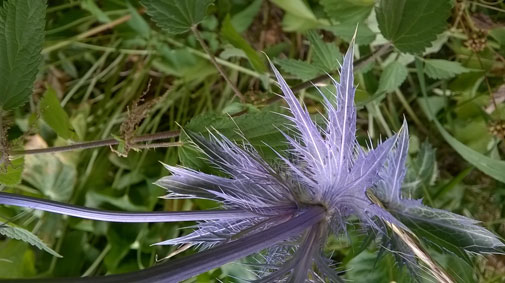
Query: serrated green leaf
x=12 y=176
x=176 y=16
x=229 y=32
x=443 y=69
x=300 y=69
x=348 y=11
x=22 y=25
x=392 y=77
x=444 y=227
x=18 y=233
x=367 y=267
x=54 y=115
x=326 y=55
x=243 y=19
x=411 y=25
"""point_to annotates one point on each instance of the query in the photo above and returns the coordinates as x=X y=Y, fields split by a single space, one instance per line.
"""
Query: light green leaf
x=176 y=16
x=300 y=69
x=229 y=32
x=17 y=260
x=18 y=233
x=297 y=8
x=346 y=31
x=138 y=23
x=411 y=25
x=348 y=11
x=243 y=19
x=326 y=55
x=53 y=177
x=392 y=77
x=368 y=267
x=443 y=69
x=54 y=115
x=12 y=176
x=22 y=25
x=91 y=7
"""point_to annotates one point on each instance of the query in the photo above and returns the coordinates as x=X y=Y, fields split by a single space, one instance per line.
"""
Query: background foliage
x=119 y=69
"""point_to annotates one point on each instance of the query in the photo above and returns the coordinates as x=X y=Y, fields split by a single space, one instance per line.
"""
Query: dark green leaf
x=411 y=25
x=443 y=69
x=177 y=16
x=229 y=32
x=326 y=55
x=26 y=236
x=21 y=38
x=54 y=115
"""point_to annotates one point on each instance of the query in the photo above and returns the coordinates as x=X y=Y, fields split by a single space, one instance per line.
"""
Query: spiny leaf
x=411 y=25
x=24 y=235
x=443 y=69
x=326 y=55
x=462 y=232
x=177 y=16
x=22 y=25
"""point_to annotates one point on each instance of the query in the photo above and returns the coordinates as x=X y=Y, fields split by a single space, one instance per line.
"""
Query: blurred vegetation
x=119 y=70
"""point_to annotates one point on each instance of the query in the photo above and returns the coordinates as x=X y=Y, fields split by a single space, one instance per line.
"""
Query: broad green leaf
x=22 y=25
x=364 y=35
x=411 y=25
x=296 y=7
x=12 y=174
x=229 y=32
x=54 y=178
x=326 y=55
x=443 y=69
x=176 y=16
x=138 y=23
x=392 y=77
x=243 y=19
x=17 y=260
x=300 y=69
x=121 y=236
x=54 y=115
x=348 y=11
x=439 y=225
x=18 y=233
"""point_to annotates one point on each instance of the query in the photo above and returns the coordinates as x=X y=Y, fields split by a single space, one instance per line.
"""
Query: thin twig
x=237 y=92
x=95 y=144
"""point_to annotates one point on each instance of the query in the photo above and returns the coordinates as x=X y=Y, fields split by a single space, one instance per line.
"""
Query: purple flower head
x=325 y=167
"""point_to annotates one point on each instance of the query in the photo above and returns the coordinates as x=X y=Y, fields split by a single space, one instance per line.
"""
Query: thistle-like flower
x=284 y=212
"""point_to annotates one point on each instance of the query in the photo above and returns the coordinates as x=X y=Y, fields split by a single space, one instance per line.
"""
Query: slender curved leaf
x=22 y=25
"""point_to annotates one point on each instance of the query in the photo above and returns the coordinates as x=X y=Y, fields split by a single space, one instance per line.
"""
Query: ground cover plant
x=236 y=141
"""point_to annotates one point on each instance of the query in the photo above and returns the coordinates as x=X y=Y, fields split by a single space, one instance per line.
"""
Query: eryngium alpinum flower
x=323 y=168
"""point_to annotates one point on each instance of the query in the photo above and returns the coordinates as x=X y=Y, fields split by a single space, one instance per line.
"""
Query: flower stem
x=127 y=217
x=98 y=143
x=187 y=267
